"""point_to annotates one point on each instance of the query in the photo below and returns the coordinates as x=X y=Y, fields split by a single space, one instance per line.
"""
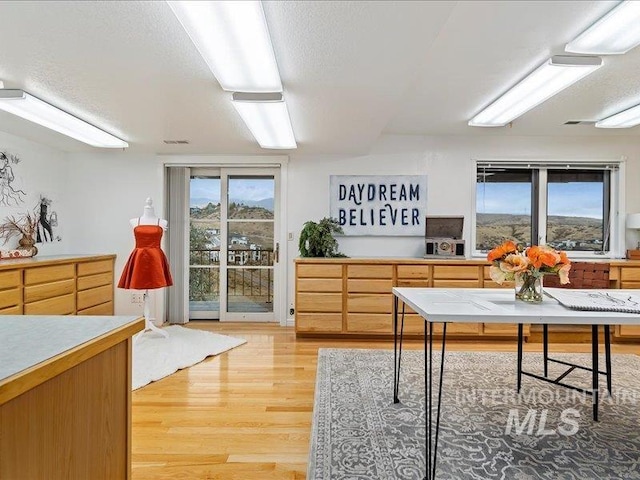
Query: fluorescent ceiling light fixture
x=233 y=38
x=544 y=82
x=267 y=117
x=20 y=103
x=625 y=119
x=615 y=33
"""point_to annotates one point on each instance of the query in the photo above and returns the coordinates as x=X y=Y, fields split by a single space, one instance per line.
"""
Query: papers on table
x=596 y=300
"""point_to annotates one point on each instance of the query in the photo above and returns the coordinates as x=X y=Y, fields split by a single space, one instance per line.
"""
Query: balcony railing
x=255 y=284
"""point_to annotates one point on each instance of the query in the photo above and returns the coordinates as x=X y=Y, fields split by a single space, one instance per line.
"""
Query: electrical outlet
x=137 y=298
x=291 y=311
x=290 y=236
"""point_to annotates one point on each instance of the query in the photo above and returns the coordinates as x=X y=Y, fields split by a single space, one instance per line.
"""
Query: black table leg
x=520 y=336
x=545 y=348
x=397 y=349
x=594 y=368
x=607 y=351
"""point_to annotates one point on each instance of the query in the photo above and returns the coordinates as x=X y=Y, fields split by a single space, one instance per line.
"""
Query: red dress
x=147 y=266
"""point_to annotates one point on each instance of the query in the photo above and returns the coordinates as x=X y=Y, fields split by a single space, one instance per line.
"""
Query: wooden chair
x=582 y=275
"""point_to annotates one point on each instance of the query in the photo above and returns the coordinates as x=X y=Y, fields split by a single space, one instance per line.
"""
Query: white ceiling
x=351 y=71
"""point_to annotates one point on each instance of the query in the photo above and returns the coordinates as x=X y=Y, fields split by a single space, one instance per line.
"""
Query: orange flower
x=542 y=255
x=563 y=273
x=514 y=263
x=502 y=251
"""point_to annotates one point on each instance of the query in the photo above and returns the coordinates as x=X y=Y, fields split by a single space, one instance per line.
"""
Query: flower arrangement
x=526 y=266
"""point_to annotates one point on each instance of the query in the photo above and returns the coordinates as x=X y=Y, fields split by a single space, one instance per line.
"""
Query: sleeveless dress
x=147 y=266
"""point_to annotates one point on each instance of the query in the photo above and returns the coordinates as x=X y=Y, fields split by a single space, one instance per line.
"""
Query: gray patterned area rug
x=487 y=430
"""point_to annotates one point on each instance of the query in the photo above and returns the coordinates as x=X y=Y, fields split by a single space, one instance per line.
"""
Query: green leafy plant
x=317 y=239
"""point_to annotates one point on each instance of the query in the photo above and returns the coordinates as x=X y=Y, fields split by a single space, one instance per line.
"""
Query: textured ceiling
x=351 y=71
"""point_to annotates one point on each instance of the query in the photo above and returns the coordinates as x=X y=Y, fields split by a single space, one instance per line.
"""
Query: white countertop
x=27 y=340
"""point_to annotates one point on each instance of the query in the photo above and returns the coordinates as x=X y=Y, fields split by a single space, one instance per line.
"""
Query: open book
x=597 y=300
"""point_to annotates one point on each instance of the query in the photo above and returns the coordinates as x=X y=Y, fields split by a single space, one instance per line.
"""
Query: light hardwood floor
x=246 y=414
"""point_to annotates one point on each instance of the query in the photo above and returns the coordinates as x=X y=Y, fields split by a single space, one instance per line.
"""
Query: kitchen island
x=65 y=396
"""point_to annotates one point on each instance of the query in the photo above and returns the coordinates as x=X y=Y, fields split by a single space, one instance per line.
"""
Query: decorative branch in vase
x=526 y=267
x=24 y=227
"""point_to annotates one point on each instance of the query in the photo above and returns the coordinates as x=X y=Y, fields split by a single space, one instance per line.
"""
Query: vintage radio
x=443 y=237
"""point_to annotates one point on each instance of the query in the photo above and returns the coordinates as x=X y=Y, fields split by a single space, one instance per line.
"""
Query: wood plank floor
x=246 y=414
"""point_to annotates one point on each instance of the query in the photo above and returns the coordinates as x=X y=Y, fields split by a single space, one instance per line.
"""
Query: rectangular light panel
x=233 y=39
x=267 y=119
x=548 y=79
x=22 y=104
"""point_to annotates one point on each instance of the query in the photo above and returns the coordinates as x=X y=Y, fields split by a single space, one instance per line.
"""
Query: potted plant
x=317 y=239
x=24 y=227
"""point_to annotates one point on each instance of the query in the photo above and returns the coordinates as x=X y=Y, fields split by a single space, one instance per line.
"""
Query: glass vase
x=528 y=287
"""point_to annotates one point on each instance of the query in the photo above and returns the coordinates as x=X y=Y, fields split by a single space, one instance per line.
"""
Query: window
x=566 y=206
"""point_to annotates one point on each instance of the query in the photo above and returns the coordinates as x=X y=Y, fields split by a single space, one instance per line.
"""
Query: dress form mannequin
x=147 y=267
x=149 y=216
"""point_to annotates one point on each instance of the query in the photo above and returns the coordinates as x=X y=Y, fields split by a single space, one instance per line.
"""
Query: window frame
x=539 y=169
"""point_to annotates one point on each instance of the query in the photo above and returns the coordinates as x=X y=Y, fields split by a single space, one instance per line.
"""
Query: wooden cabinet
x=626 y=275
x=67 y=285
x=369 y=299
x=353 y=296
x=319 y=302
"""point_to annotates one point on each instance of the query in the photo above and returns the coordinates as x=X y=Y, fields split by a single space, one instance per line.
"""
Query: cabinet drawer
x=319 y=302
x=413 y=272
x=370 y=303
x=456 y=283
x=455 y=272
x=91 y=268
x=43 y=291
x=320 y=284
x=102 y=309
x=63 y=305
x=15 y=310
x=10 y=298
x=48 y=274
x=402 y=282
x=629 y=331
x=369 y=323
x=492 y=284
x=503 y=329
x=94 y=296
x=10 y=279
x=319 y=322
x=319 y=271
x=370 y=271
x=92 y=281
x=628 y=273
x=369 y=286
x=414 y=324
x=635 y=285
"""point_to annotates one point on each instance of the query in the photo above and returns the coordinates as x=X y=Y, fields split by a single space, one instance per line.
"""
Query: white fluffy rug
x=155 y=357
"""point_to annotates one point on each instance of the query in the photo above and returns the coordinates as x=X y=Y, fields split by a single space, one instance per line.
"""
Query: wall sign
x=379 y=204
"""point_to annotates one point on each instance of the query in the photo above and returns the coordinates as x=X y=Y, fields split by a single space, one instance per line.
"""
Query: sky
x=239 y=189
x=575 y=199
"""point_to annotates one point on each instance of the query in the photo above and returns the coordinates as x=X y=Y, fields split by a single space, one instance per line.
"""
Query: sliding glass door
x=234 y=249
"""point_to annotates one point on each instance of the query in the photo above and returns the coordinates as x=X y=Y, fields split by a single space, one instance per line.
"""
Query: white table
x=485 y=305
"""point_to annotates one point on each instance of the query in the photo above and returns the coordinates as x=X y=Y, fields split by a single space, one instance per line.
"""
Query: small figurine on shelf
x=23 y=227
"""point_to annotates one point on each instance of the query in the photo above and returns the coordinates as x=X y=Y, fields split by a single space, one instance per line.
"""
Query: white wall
x=105 y=190
x=448 y=164
x=41 y=171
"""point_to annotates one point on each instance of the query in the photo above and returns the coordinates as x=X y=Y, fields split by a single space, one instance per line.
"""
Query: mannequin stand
x=148 y=324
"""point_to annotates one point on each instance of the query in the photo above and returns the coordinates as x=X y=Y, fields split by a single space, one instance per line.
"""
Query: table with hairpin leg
x=486 y=305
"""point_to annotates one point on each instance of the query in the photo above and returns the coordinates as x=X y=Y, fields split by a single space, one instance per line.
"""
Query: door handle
x=277 y=253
